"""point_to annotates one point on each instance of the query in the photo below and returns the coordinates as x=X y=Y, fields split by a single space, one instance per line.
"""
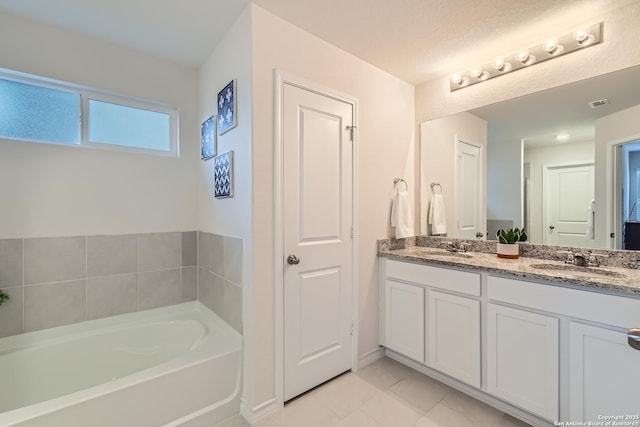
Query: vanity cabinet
x=432 y=315
x=404 y=319
x=523 y=358
x=604 y=374
x=454 y=336
x=542 y=351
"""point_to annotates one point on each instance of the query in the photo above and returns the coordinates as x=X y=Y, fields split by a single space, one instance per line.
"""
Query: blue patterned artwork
x=227 y=108
x=208 y=138
x=223 y=175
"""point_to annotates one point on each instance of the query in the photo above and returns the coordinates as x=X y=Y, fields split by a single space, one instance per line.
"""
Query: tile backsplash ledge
x=54 y=281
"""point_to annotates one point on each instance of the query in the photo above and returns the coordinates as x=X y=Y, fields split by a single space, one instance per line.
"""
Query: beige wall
x=50 y=190
x=385 y=149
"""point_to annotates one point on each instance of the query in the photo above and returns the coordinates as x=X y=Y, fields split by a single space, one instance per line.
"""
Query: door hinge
x=352 y=131
x=353 y=233
x=353 y=328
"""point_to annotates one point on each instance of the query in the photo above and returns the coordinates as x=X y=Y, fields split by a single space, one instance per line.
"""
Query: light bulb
x=552 y=47
x=526 y=58
x=456 y=78
x=502 y=66
x=583 y=38
x=479 y=74
x=562 y=136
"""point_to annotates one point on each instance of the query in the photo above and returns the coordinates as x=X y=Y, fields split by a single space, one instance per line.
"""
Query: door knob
x=552 y=227
x=293 y=260
x=633 y=338
x=479 y=234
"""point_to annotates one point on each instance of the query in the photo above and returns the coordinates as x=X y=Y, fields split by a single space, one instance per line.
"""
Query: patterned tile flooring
x=384 y=394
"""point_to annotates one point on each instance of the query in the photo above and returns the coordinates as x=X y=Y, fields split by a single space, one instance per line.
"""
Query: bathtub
x=171 y=366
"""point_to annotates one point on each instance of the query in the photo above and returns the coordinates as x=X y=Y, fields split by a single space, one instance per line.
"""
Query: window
x=41 y=110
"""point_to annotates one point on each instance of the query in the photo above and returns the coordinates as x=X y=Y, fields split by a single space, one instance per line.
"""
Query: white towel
x=437 y=215
x=401 y=215
x=591 y=209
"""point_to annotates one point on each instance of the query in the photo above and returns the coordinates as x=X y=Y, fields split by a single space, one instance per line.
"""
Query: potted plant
x=3 y=297
x=508 y=242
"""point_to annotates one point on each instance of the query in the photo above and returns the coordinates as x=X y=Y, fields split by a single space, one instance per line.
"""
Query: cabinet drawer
x=443 y=278
x=597 y=307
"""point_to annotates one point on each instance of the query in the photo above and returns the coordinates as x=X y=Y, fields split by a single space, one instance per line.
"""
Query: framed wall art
x=227 y=108
x=223 y=175
x=208 y=138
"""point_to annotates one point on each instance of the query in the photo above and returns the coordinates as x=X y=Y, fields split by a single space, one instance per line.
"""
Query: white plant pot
x=509 y=251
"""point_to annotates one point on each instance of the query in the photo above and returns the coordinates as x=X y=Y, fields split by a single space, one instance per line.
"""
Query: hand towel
x=437 y=215
x=591 y=209
x=401 y=215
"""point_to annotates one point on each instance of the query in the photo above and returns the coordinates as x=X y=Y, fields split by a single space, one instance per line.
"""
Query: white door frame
x=612 y=215
x=545 y=172
x=280 y=78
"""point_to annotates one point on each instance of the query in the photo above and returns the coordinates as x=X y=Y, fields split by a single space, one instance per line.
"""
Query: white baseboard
x=370 y=357
x=260 y=412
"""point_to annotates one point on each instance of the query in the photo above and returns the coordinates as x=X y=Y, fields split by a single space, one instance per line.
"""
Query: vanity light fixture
x=554 y=47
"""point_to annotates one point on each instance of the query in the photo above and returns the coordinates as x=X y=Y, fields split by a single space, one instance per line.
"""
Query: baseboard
x=260 y=412
x=370 y=357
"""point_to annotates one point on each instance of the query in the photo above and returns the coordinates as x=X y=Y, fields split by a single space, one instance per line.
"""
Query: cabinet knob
x=633 y=336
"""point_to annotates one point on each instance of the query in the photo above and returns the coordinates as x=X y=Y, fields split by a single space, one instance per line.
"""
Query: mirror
x=556 y=186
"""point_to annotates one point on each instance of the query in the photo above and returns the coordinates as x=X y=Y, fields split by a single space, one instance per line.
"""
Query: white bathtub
x=172 y=366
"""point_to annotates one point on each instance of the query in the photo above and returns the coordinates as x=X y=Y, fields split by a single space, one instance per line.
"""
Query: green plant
x=511 y=236
x=3 y=297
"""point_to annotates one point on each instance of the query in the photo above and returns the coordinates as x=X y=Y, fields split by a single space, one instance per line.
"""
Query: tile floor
x=384 y=394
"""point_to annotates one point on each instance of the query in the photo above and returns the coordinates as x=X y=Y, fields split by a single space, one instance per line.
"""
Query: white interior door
x=317 y=213
x=568 y=192
x=470 y=205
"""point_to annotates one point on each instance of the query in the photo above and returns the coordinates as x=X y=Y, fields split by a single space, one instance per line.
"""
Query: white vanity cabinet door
x=454 y=336
x=404 y=319
x=523 y=358
x=604 y=374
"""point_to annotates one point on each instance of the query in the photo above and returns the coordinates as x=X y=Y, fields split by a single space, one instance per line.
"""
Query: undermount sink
x=444 y=252
x=574 y=269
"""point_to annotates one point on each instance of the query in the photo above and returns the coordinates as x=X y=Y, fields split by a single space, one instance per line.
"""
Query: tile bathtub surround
x=220 y=276
x=11 y=263
x=55 y=281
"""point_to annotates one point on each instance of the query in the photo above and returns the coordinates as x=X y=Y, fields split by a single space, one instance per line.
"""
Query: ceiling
x=415 y=40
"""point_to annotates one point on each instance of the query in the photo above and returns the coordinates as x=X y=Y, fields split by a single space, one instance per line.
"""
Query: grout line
x=23 y=285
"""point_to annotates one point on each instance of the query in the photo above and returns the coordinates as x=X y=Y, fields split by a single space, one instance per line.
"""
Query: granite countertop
x=605 y=278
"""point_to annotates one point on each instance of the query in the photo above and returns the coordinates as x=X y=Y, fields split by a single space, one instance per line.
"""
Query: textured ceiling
x=416 y=40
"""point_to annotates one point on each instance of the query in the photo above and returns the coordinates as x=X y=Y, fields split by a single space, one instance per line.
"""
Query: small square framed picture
x=227 y=108
x=208 y=138
x=223 y=175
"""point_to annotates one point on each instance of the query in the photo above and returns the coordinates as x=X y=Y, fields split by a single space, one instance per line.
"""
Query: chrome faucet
x=570 y=256
x=460 y=247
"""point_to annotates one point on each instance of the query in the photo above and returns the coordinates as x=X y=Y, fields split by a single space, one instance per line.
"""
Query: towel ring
x=398 y=180
x=436 y=184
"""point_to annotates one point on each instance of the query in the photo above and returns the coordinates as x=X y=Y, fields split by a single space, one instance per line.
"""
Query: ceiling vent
x=599 y=103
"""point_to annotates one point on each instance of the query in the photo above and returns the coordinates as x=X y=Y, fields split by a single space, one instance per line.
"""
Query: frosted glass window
x=39 y=113
x=128 y=126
